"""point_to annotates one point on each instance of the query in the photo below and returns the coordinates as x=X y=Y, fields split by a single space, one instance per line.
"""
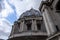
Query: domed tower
x=30 y=26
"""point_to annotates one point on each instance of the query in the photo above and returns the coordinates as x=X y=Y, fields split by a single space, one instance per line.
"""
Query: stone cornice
x=47 y=3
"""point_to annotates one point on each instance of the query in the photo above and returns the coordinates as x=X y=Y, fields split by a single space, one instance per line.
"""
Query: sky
x=10 y=11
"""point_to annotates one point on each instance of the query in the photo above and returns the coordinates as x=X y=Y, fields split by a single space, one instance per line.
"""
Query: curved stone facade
x=30 y=26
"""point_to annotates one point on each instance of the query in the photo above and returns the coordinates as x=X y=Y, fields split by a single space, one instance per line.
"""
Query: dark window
x=18 y=25
x=27 y=21
x=28 y=26
x=39 y=26
x=57 y=28
x=58 y=6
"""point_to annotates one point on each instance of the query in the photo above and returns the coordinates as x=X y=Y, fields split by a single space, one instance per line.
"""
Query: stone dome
x=31 y=12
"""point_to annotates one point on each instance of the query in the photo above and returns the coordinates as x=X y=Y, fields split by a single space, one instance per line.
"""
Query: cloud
x=5 y=24
x=3 y=35
x=22 y=6
x=5 y=12
x=5 y=27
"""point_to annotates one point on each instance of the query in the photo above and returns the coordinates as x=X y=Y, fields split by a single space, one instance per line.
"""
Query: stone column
x=16 y=28
x=48 y=22
x=22 y=26
x=34 y=26
x=25 y=27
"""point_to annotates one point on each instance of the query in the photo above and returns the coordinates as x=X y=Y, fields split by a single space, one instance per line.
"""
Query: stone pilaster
x=48 y=22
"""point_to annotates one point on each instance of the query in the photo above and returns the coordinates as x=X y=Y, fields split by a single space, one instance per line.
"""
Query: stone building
x=50 y=10
x=30 y=26
x=35 y=25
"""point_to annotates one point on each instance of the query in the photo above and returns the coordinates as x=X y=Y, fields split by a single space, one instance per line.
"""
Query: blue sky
x=10 y=10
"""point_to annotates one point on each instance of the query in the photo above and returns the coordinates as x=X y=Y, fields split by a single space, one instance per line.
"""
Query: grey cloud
x=3 y=33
